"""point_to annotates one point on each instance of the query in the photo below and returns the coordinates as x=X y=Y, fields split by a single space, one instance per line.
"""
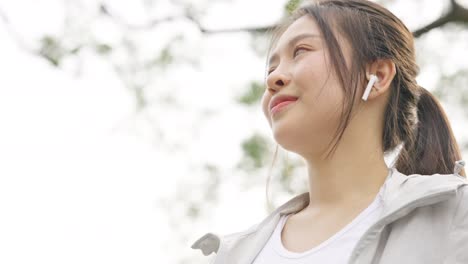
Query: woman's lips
x=281 y=106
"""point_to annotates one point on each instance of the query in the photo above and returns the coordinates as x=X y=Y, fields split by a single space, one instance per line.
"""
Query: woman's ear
x=385 y=71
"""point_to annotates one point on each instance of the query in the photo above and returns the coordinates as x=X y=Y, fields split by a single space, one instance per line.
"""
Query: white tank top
x=335 y=250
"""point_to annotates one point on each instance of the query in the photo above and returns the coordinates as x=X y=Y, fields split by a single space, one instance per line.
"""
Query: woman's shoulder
x=461 y=209
x=211 y=241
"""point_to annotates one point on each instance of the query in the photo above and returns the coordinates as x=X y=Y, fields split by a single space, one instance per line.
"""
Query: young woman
x=341 y=92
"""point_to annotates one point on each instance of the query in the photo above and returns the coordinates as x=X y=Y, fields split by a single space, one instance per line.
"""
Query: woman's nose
x=277 y=80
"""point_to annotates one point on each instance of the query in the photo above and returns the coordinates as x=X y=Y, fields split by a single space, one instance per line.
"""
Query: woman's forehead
x=305 y=26
x=302 y=25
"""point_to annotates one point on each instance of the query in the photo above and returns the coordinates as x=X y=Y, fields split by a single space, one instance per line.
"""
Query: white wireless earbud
x=372 y=80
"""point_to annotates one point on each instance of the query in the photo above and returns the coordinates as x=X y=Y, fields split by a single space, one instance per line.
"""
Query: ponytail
x=434 y=148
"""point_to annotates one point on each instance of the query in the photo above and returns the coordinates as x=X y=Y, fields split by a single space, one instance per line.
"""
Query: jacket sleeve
x=458 y=238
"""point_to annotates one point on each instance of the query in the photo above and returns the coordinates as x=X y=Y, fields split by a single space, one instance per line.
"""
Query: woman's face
x=301 y=68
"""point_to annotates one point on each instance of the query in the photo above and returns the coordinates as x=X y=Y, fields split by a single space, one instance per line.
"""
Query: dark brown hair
x=413 y=116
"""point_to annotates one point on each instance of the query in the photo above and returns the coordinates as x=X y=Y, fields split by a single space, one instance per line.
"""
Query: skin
x=344 y=185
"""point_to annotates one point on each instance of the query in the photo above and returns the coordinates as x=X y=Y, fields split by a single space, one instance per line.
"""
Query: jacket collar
x=399 y=191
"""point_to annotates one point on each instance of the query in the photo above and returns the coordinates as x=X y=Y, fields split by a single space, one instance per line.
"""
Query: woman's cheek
x=309 y=65
x=264 y=102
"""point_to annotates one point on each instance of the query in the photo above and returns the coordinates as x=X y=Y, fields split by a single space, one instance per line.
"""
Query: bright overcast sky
x=79 y=179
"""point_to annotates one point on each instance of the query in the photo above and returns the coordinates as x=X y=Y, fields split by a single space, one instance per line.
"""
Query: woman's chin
x=287 y=141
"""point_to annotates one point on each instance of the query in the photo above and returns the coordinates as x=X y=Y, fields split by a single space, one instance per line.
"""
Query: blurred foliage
x=203 y=192
x=253 y=94
x=165 y=58
x=254 y=151
x=213 y=182
x=51 y=49
x=292 y=5
x=103 y=49
x=138 y=71
x=447 y=84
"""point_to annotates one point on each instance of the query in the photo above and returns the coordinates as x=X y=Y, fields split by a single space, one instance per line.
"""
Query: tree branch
x=457 y=13
x=14 y=35
x=105 y=10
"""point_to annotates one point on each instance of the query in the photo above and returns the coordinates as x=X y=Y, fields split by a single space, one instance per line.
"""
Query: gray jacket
x=424 y=220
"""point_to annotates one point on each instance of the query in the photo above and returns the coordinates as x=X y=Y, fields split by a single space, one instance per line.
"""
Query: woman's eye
x=295 y=54
x=298 y=49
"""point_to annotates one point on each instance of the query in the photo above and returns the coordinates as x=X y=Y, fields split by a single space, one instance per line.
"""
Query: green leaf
x=103 y=49
x=292 y=5
x=254 y=149
x=253 y=94
x=51 y=49
x=193 y=210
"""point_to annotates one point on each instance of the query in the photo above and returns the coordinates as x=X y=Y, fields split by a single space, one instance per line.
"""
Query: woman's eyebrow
x=291 y=43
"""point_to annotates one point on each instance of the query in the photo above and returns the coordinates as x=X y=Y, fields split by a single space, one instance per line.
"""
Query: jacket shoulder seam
x=460 y=193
